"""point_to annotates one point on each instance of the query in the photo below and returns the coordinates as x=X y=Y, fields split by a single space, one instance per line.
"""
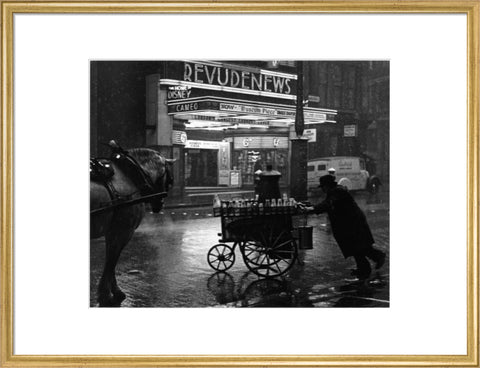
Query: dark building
x=117 y=103
x=360 y=92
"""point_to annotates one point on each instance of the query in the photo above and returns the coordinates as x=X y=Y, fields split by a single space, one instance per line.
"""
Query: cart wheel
x=270 y=256
x=254 y=253
x=221 y=257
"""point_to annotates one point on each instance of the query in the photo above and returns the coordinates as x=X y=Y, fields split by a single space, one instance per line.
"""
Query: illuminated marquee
x=219 y=111
x=256 y=80
x=269 y=111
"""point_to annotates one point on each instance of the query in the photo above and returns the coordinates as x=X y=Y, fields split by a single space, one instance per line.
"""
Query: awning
x=224 y=113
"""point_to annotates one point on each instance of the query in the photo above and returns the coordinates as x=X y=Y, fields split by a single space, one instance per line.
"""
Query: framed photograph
x=271 y=184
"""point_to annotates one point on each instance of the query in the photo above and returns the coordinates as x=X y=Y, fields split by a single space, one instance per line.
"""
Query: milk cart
x=264 y=235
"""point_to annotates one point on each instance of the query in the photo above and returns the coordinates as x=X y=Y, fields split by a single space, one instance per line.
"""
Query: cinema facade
x=221 y=121
x=224 y=121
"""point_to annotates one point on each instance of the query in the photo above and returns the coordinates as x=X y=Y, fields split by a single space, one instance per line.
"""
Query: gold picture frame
x=472 y=11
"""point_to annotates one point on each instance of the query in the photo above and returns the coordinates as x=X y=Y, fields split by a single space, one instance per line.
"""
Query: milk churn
x=305 y=240
x=269 y=187
x=305 y=235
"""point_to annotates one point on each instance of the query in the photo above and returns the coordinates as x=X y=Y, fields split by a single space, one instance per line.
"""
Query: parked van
x=349 y=172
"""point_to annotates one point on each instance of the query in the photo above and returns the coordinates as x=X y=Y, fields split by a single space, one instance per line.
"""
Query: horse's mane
x=149 y=159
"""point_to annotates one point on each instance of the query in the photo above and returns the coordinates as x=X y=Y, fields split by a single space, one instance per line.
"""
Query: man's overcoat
x=349 y=224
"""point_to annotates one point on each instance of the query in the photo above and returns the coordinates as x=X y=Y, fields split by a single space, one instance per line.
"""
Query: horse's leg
x=109 y=294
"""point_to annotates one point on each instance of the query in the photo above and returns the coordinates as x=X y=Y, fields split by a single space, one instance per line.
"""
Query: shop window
x=250 y=160
x=201 y=167
x=281 y=164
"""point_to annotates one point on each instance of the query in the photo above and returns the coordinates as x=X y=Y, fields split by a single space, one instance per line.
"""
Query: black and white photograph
x=239 y=183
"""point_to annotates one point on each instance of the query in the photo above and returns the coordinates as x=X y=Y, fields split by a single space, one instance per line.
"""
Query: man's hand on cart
x=304 y=207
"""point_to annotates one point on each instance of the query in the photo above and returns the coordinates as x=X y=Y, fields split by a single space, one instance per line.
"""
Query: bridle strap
x=134 y=171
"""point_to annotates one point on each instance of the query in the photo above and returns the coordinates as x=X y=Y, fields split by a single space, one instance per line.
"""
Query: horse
x=118 y=223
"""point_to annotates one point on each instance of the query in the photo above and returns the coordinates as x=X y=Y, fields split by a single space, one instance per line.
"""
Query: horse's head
x=163 y=183
x=158 y=168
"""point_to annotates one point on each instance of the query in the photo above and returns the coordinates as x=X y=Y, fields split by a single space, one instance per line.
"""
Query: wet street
x=165 y=265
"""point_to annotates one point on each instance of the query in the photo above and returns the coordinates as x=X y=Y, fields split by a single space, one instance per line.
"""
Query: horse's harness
x=101 y=171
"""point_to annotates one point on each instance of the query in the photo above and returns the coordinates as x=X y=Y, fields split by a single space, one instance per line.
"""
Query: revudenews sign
x=236 y=76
